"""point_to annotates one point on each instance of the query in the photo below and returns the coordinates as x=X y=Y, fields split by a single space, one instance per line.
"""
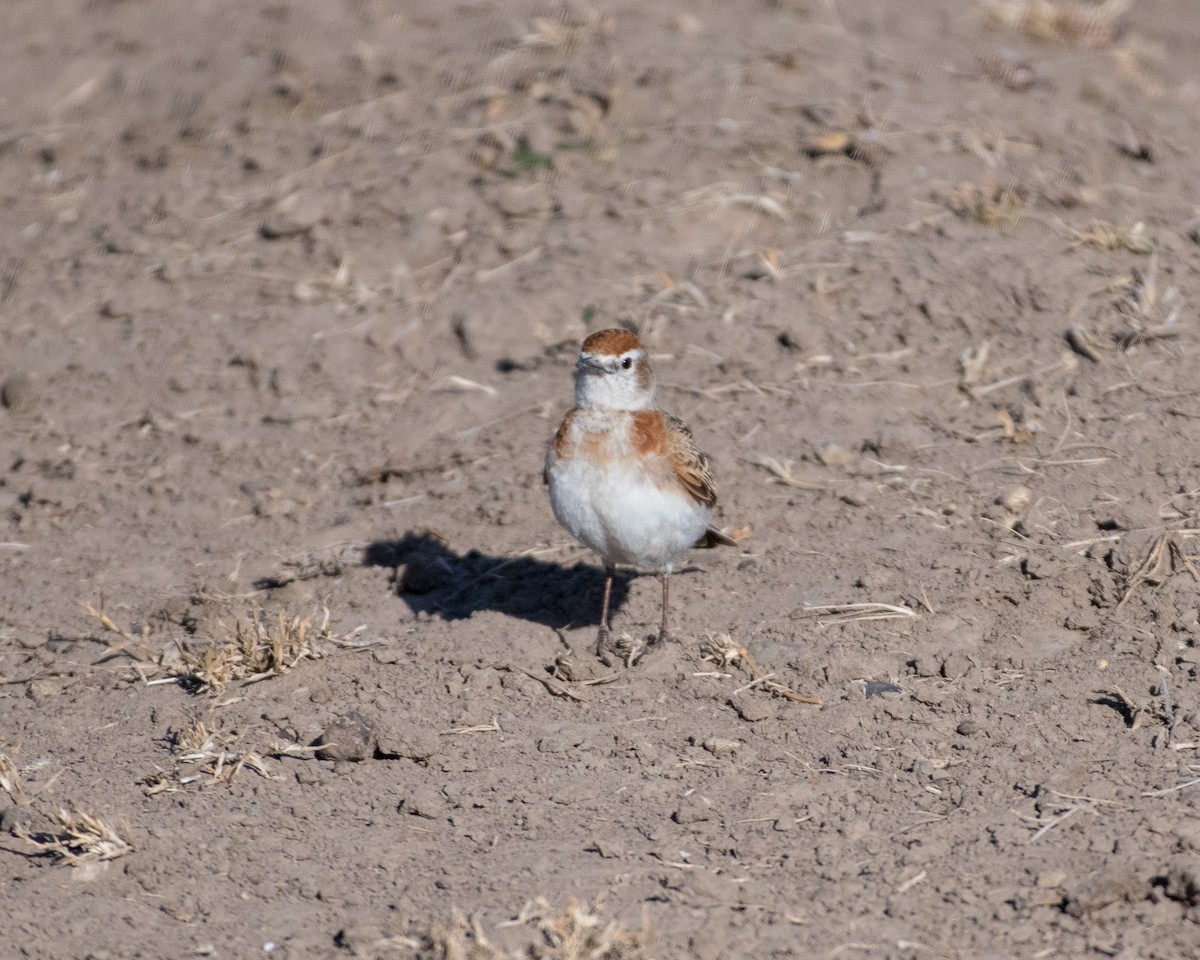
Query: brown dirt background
x=289 y=296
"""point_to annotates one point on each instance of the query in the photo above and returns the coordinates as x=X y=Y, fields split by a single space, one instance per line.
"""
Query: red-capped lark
x=625 y=478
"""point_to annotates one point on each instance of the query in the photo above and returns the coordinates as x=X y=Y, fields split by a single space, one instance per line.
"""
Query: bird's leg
x=602 y=635
x=663 y=635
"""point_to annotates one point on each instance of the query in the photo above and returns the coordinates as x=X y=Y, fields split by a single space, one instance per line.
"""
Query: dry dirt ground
x=289 y=297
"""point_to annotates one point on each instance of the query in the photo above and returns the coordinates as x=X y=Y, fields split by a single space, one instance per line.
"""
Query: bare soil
x=289 y=299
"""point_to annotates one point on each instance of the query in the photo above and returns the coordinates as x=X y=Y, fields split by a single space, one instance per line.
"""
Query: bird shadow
x=430 y=577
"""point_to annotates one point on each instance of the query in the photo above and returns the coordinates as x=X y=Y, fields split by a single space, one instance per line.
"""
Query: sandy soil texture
x=294 y=660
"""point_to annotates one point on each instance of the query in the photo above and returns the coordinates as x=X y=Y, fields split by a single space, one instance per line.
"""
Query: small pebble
x=16 y=391
x=43 y=689
x=721 y=746
x=349 y=737
x=968 y=728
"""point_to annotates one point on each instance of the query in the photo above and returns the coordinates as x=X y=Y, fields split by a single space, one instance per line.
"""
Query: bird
x=625 y=478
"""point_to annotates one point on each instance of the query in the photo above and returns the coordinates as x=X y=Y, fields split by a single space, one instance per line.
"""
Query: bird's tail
x=715 y=538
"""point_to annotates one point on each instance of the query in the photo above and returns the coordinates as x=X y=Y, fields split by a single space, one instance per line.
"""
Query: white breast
x=619 y=506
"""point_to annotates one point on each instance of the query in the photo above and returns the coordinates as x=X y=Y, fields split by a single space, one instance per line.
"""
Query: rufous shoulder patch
x=611 y=343
x=562 y=436
x=648 y=433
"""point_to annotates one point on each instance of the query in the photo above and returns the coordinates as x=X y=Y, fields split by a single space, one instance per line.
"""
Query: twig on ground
x=493 y=727
x=781 y=473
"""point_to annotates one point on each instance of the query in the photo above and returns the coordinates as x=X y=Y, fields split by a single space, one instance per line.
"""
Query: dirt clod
x=392 y=742
x=349 y=737
x=752 y=708
x=14 y=819
x=423 y=802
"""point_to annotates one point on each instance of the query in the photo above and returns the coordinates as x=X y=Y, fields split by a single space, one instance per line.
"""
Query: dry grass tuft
x=577 y=933
x=1147 y=315
x=990 y=205
x=211 y=755
x=259 y=648
x=1077 y=23
x=1110 y=236
x=720 y=649
x=81 y=838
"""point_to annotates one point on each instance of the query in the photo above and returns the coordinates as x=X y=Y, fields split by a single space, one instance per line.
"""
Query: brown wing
x=693 y=471
x=690 y=465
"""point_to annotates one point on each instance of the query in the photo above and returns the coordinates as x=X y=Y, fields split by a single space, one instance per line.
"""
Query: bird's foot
x=601 y=643
x=664 y=636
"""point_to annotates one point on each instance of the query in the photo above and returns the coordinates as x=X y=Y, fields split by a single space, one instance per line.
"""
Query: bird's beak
x=586 y=364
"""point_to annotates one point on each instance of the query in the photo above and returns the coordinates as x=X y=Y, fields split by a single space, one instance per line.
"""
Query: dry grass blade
x=110 y=626
x=456 y=384
x=1065 y=364
x=1174 y=789
x=781 y=473
x=493 y=727
x=259 y=648
x=1078 y=23
x=552 y=687
x=848 y=612
x=1166 y=555
x=10 y=781
x=1053 y=808
x=80 y=839
x=732 y=194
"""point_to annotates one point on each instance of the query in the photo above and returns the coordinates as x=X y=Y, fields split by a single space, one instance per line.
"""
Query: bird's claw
x=601 y=643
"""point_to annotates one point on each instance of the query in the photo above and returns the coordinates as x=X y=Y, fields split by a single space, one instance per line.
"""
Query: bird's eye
x=627 y=363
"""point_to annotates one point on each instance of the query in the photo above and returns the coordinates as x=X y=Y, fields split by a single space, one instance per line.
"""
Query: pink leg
x=602 y=636
x=662 y=630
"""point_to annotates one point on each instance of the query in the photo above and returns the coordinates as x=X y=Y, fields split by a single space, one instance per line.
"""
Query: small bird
x=625 y=478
